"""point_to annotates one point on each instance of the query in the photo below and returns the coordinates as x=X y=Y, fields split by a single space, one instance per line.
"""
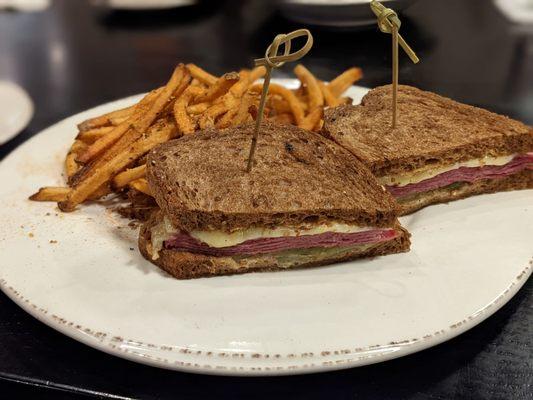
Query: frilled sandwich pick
x=306 y=202
x=441 y=150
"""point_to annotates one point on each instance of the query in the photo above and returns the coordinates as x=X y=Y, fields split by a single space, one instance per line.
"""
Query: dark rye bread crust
x=520 y=180
x=432 y=130
x=200 y=181
x=185 y=265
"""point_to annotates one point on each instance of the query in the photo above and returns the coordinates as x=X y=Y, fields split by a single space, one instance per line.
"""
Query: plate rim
x=407 y=347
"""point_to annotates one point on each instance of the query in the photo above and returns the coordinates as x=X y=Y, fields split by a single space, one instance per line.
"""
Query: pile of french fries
x=108 y=154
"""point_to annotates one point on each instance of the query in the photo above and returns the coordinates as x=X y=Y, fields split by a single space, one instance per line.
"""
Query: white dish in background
x=81 y=273
x=25 y=5
x=143 y=4
x=16 y=110
x=518 y=11
x=336 y=13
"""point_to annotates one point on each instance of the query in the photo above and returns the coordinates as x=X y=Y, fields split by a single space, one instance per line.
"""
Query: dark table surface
x=72 y=57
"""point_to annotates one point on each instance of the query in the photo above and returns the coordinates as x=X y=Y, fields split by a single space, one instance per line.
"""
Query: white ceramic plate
x=468 y=259
x=16 y=110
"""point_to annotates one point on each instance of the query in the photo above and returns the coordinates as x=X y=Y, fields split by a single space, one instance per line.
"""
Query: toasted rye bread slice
x=200 y=181
x=185 y=265
x=432 y=130
x=520 y=180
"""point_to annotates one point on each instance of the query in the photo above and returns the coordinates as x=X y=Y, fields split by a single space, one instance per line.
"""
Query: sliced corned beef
x=185 y=242
x=465 y=174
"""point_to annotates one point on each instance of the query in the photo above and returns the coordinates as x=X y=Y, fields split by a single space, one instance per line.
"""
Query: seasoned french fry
x=147 y=112
x=312 y=120
x=102 y=191
x=105 y=119
x=207 y=119
x=129 y=175
x=92 y=135
x=118 y=120
x=219 y=88
x=132 y=134
x=92 y=123
x=243 y=113
x=201 y=75
x=199 y=108
x=226 y=104
x=113 y=136
x=289 y=96
x=256 y=73
x=176 y=85
x=278 y=104
x=309 y=82
x=104 y=142
x=141 y=185
x=185 y=124
x=50 y=193
x=329 y=98
x=119 y=116
x=342 y=82
x=71 y=166
x=129 y=137
x=226 y=119
x=56 y=193
x=237 y=109
x=158 y=133
x=238 y=90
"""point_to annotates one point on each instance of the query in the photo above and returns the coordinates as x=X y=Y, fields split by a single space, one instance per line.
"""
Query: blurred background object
x=16 y=110
x=518 y=11
x=520 y=81
x=142 y=4
x=335 y=13
x=24 y=5
x=74 y=55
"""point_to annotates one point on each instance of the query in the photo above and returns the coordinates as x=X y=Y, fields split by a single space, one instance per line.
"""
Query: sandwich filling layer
x=184 y=242
x=257 y=241
x=488 y=168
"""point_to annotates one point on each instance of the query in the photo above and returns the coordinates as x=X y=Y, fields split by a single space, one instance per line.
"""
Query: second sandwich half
x=440 y=151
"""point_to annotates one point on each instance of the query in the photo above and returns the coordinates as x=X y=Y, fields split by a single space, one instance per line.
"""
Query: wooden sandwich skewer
x=270 y=61
x=388 y=22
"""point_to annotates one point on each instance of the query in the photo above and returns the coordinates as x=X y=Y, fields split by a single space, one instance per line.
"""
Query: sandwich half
x=440 y=151
x=306 y=202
